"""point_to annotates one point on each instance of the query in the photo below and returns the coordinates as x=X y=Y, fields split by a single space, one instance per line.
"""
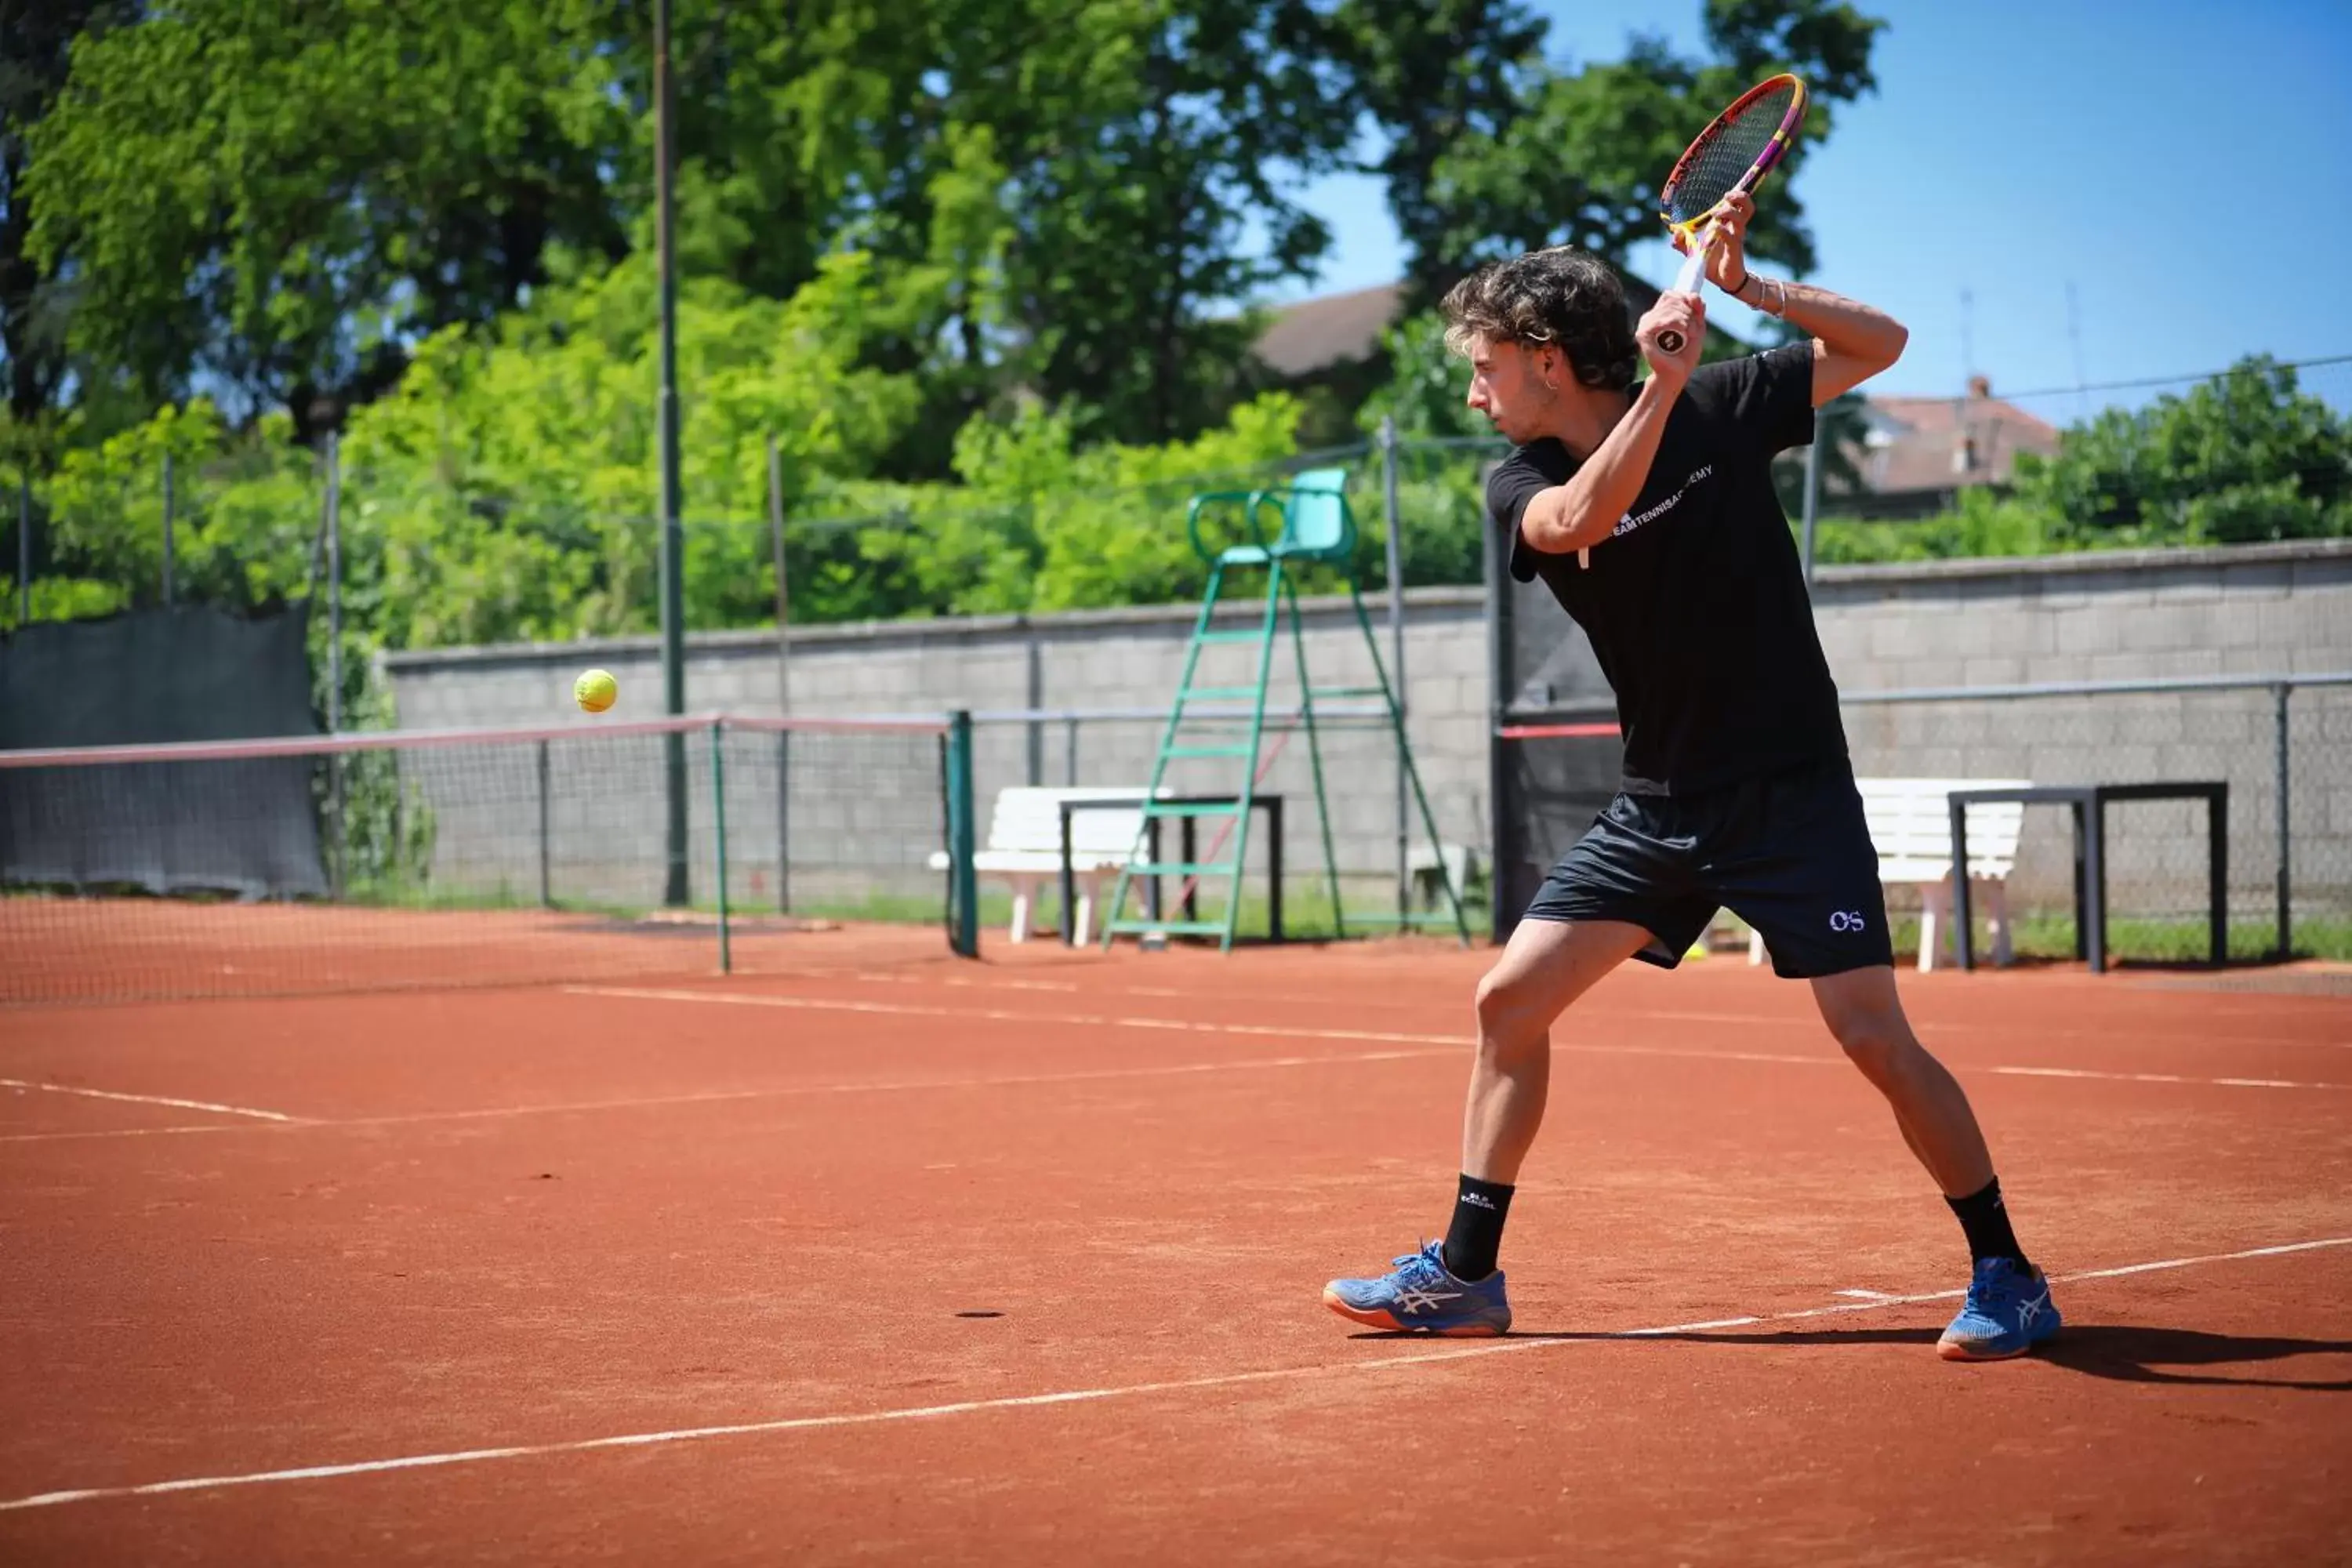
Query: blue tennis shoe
x=1420 y=1296
x=2007 y=1313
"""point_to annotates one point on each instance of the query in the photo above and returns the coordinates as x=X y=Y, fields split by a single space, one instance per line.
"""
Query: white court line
x=137 y=1131
x=1094 y=1075
x=782 y=1091
x=2160 y=1078
x=1608 y=1008
x=149 y=1099
x=1280 y=1031
x=1080 y=1395
x=1439 y=1045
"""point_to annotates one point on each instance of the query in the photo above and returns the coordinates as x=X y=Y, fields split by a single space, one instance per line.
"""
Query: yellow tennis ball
x=596 y=690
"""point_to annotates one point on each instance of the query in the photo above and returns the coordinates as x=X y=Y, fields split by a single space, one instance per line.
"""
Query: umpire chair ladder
x=1317 y=526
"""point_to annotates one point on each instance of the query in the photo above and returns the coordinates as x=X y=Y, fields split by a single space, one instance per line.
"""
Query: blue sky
x=2185 y=166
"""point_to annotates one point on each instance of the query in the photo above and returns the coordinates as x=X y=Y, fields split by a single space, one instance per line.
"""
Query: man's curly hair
x=1562 y=296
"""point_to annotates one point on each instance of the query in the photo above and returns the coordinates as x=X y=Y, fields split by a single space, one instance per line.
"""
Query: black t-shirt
x=1697 y=603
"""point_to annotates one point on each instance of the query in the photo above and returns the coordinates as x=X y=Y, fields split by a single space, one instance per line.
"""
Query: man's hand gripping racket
x=1730 y=158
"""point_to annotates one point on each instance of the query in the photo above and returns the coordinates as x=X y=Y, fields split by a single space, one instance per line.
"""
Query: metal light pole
x=1394 y=517
x=783 y=679
x=167 y=530
x=23 y=549
x=673 y=538
x=334 y=583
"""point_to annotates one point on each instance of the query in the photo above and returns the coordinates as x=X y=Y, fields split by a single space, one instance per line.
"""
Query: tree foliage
x=281 y=197
x=981 y=267
x=2246 y=457
x=1581 y=161
x=270 y=196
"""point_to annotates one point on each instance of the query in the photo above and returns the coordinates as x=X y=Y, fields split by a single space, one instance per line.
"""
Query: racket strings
x=1714 y=169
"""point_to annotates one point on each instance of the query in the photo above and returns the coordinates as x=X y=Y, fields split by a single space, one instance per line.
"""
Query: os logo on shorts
x=1846 y=919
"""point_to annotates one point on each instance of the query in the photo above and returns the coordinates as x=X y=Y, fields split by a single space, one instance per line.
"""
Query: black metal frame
x=2089 y=805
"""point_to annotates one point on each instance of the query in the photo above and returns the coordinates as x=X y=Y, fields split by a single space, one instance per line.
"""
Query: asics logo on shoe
x=1413 y=1300
x=2029 y=1311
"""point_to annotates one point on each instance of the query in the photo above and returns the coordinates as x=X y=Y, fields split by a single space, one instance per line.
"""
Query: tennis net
x=430 y=858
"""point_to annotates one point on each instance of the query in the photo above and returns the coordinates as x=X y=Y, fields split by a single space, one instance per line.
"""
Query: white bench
x=1911 y=828
x=1024 y=848
x=1430 y=870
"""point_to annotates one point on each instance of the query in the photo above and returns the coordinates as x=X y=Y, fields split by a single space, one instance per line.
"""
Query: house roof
x=1313 y=334
x=1944 y=443
x=1915 y=443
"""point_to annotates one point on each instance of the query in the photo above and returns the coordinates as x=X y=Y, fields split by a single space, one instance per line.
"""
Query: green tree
x=506 y=488
x=285 y=196
x=1128 y=255
x=2244 y=457
x=1582 y=163
x=244 y=518
x=1431 y=74
x=279 y=195
x=1427 y=383
x=36 y=41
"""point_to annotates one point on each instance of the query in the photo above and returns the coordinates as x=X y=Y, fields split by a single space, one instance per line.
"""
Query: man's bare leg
x=1456 y=1289
x=2009 y=1309
x=1545 y=966
x=1861 y=1009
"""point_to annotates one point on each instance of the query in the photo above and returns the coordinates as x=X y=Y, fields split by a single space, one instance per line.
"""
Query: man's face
x=1510 y=384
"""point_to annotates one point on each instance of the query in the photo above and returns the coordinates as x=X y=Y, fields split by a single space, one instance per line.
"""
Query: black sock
x=1475 y=1234
x=1982 y=1215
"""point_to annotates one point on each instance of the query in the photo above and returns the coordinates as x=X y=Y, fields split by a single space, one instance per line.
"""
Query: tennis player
x=1649 y=512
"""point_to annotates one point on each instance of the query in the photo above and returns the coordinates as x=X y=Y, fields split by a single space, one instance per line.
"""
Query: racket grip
x=1686 y=281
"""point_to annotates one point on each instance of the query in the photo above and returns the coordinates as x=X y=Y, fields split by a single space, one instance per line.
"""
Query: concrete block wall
x=2259 y=610
x=2269 y=609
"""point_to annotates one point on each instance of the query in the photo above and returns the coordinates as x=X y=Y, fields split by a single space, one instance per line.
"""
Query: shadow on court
x=2121 y=1352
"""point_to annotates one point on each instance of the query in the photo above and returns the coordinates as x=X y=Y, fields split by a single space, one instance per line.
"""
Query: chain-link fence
x=443 y=551
x=2283 y=747
x=401 y=556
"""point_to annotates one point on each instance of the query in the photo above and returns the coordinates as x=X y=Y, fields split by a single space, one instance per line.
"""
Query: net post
x=964 y=886
x=546 y=885
x=718 y=837
x=2283 y=757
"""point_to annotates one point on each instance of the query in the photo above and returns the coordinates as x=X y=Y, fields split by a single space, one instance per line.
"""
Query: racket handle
x=1686 y=281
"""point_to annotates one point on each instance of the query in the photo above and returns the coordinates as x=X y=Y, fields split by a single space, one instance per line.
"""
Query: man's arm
x=1587 y=508
x=1852 y=341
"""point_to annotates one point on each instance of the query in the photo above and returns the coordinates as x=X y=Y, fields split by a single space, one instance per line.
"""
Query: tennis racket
x=1732 y=155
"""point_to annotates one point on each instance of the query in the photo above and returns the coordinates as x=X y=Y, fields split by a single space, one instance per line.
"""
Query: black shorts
x=1789 y=853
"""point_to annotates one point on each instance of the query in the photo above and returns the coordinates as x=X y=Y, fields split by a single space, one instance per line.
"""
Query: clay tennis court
x=878 y=1255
